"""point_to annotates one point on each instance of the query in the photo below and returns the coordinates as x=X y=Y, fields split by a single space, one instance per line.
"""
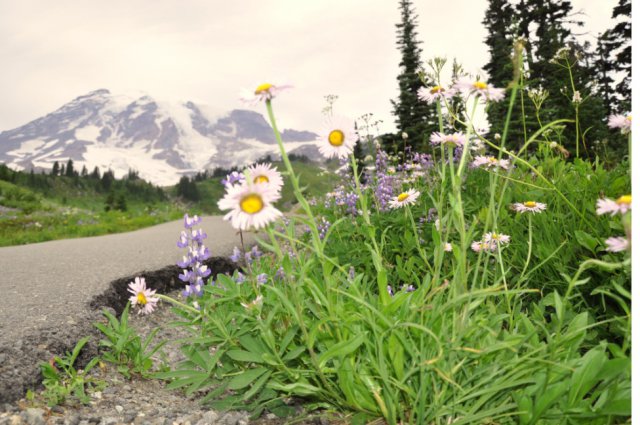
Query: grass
x=66 y=207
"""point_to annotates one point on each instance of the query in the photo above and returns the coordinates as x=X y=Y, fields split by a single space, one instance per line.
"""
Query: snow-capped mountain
x=161 y=140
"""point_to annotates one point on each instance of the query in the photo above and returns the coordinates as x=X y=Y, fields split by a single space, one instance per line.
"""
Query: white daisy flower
x=432 y=94
x=263 y=173
x=498 y=238
x=142 y=297
x=455 y=139
x=447 y=247
x=405 y=198
x=478 y=246
x=263 y=92
x=609 y=206
x=250 y=205
x=338 y=138
x=489 y=162
x=529 y=206
x=623 y=122
x=617 y=244
x=467 y=86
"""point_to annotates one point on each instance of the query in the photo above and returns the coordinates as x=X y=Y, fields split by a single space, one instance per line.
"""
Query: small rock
x=33 y=416
x=119 y=409
x=209 y=418
x=15 y=420
x=97 y=395
x=72 y=419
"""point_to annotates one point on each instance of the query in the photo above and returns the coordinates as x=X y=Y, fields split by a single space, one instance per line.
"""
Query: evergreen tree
x=62 y=170
x=95 y=174
x=604 y=69
x=551 y=48
x=70 y=172
x=620 y=41
x=84 y=171
x=56 y=169
x=413 y=116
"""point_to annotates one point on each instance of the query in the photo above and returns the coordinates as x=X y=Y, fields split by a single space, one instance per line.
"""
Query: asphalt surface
x=46 y=289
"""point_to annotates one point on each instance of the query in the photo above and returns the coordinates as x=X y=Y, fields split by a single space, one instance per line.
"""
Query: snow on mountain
x=161 y=140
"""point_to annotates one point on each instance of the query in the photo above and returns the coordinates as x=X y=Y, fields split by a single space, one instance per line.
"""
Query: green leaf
x=585 y=377
x=586 y=240
x=340 y=350
x=246 y=378
x=245 y=356
x=257 y=386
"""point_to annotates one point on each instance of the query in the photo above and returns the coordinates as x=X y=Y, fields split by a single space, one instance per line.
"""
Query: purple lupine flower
x=280 y=273
x=198 y=235
x=247 y=257
x=241 y=278
x=183 y=241
x=197 y=253
x=185 y=276
x=352 y=273
x=255 y=251
x=323 y=227
x=235 y=257
x=201 y=270
x=232 y=178
x=189 y=222
x=410 y=288
x=390 y=290
x=384 y=181
x=262 y=278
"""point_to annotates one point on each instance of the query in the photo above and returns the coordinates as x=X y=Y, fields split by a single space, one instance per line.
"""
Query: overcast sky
x=209 y=50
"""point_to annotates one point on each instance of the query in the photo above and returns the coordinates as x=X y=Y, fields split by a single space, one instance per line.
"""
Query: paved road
x=46 y=288
x=49 y=284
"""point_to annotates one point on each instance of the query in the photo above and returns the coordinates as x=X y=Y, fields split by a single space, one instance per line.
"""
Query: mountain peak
x=161 y=140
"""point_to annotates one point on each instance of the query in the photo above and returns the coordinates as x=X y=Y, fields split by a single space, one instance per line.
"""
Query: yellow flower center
x=336 y=138
x=251 y=204
x=626 y=199
x=495 y=236
x=436 y=89
x=530 y=204
x=142 y=300
x=493 y=160
x=263 y=88
x=261 y=179
x=403 y=196
x=480 y=85
x=628 y=117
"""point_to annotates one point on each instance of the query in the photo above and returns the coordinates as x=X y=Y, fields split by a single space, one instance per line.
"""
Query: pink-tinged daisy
x=405 y=198
x=489 y=162
x=338 y=138
x=456 y=139
x=263 y=173
x=623 y=122
x=250 y=205
x=263 y=92
x=617 y=244
x=432 y=94
x=609 y=206
x=447 y=247
x=497 y=238
x=471 y=87
x=483 y=246
x=529 y=206
x=142 y=296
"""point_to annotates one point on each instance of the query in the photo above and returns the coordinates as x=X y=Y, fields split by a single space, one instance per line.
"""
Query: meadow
x=465 y=283
x=462 y=283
